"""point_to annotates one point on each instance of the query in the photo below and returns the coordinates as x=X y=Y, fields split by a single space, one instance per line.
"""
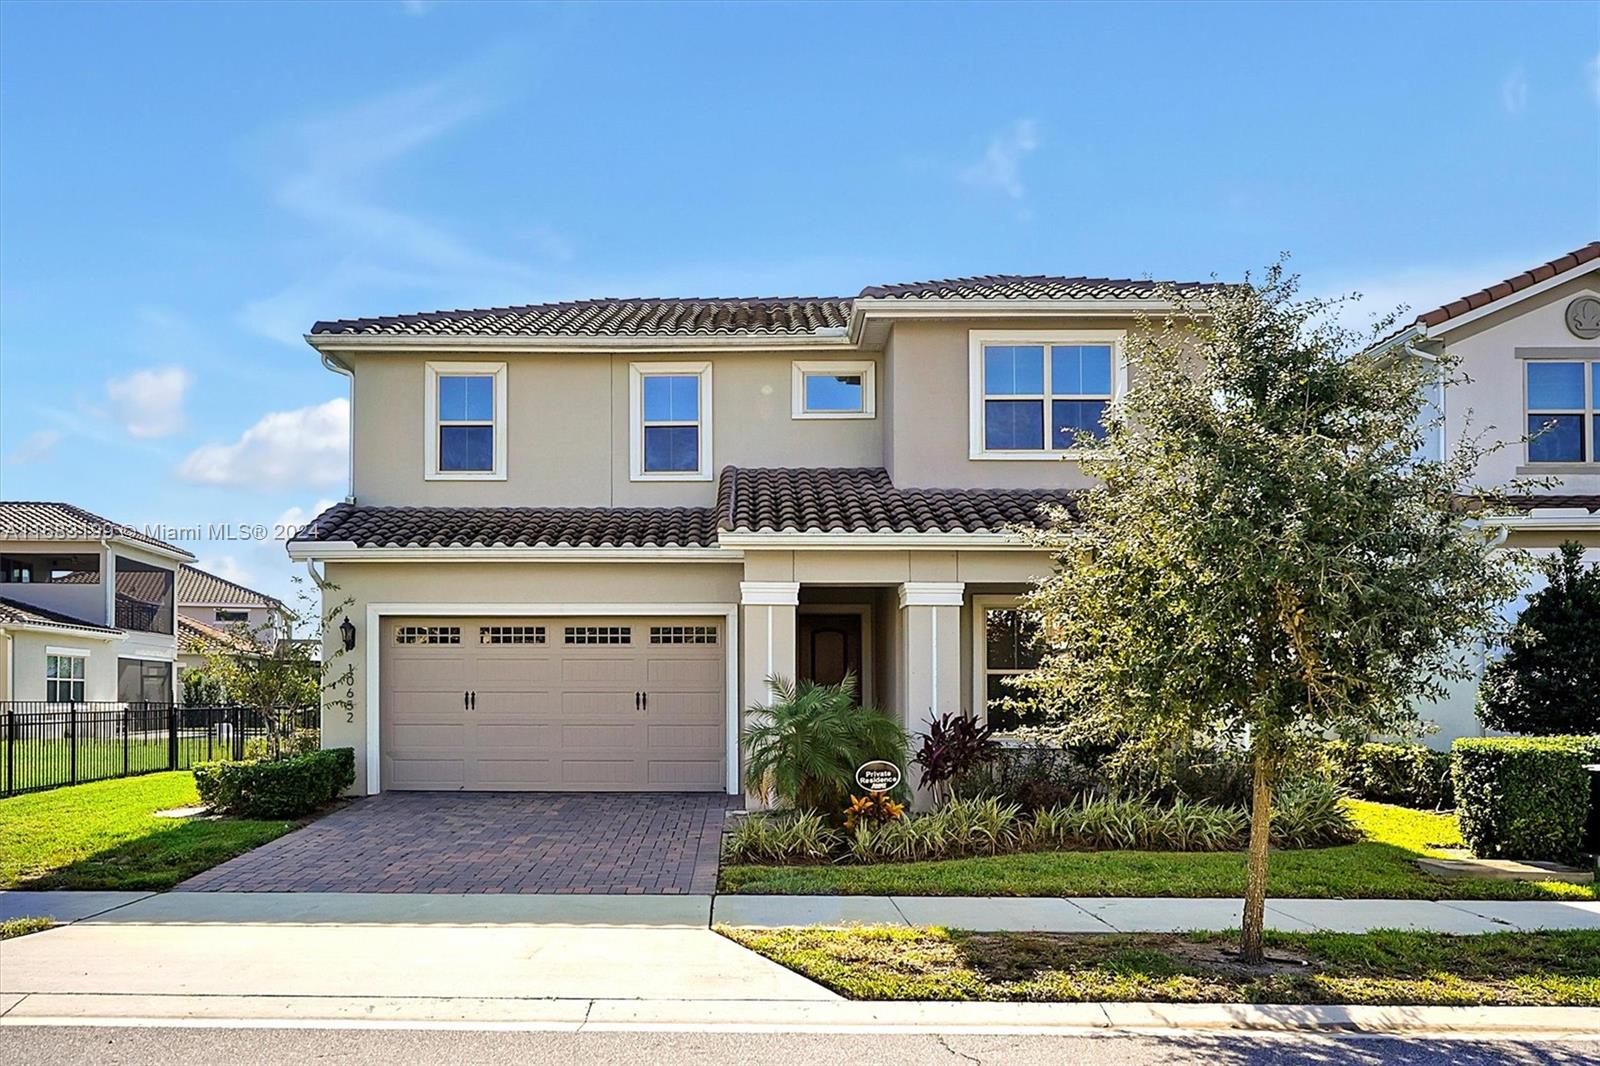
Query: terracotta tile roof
x=507 y=527
x=200 y=586
x=46 y=520
x=864 y=500
x=776 y=500
x=776 y=316
x=1500 y=290
x=13 y=612
x=197 y=638
x=1029 y=287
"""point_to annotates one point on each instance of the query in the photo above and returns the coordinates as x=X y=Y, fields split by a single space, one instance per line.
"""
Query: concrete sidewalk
x=1090 y=914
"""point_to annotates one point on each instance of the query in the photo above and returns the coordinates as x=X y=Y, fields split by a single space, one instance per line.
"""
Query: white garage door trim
x=376 y=612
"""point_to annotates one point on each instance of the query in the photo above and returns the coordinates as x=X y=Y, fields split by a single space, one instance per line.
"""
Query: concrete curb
x=39 y=1009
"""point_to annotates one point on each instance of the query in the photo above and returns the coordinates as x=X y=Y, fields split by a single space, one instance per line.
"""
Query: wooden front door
x=829 y=646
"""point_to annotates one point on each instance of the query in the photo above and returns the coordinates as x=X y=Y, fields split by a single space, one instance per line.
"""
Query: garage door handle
x=465 y=702
x=638 y=701
x=646 y=701
x=474 y=701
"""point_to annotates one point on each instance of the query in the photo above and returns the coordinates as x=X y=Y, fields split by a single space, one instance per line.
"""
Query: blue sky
x=184 y=189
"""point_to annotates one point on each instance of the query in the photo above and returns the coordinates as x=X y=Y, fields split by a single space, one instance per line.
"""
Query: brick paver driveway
x=505 y=842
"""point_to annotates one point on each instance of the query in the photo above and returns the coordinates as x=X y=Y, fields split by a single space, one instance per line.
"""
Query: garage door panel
x=552 y=715
x=685 y=775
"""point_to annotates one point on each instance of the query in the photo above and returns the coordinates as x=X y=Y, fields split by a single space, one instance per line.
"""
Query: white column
x=930 y=619
x=767 y=636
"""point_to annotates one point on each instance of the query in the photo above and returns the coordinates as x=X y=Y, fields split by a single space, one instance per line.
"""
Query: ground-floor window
x=1009 y=648
x=144 y=681
x=63 y=677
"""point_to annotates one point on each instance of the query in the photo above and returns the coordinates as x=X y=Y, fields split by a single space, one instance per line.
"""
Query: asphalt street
x=99 y=1045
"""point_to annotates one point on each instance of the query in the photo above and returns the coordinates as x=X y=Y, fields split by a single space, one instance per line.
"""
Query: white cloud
x=1001 y=165
x=303 y=448
x=228 y=568
x=297 y=516
x=149 y=403
x=1592 y=69
x=1514 y=92
x=36 y=448
x=327 y=173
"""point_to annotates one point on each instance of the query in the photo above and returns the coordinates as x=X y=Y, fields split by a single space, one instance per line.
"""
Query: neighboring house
x=218 y=603
x=1529 y=347
x=87 y=607
x=197 y=642
x=581 y=536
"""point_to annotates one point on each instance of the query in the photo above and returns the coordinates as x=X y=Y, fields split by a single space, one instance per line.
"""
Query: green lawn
x=1380 y=867
x=48 y=763
x=1525 y=969
x=104 y=836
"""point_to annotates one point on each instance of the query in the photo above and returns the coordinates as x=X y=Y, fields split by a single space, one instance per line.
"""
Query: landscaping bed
x=105 y=835
x=1382 y=865
x=1389 y=967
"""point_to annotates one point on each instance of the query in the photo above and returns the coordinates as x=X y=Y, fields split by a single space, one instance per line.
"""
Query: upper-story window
x=1563 y=411
x=670 y=413
x=466 y=421
x=145 y=599
x=835 y=389
x=231 y=616
x=1034 y=392
x=33 y=569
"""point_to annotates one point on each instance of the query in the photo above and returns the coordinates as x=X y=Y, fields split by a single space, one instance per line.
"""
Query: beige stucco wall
x=928 y=371
x=27 y=665
x=1494 y=397
x=567 y=433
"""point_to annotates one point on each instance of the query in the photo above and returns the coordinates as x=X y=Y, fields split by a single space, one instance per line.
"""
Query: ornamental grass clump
x=794 y=838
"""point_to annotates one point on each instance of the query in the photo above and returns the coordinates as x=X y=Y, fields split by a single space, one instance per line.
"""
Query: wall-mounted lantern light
x=347 y=630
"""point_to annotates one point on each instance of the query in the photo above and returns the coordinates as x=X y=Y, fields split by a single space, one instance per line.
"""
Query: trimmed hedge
x=1411 y=775
x=287 y=788
x=1524 y=797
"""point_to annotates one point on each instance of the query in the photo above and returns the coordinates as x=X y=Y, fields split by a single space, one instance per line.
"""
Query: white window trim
x=430 y=422
x=869 y=387
x=981 y=606
x=976 y=339
x=636 y=375
x=1589 y=412
x=69 y=653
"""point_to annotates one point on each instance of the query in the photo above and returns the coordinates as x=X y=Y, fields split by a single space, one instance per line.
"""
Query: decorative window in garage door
x=599 y=635
x=683 y=634
x=428 y=635
x=511 y=634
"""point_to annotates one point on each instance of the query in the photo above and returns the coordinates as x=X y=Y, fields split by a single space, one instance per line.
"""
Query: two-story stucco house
x=87 y=607
x=581 y=536
x=1529 y=349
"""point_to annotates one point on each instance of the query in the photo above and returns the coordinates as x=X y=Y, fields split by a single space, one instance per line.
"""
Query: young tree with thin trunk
x=1265 y=560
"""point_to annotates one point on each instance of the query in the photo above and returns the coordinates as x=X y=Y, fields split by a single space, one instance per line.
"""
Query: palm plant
x=803 y=747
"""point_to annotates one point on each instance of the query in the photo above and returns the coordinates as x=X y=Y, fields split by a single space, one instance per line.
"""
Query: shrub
x=302 y=742
x=286 y=788
x=802 y=837
x=805 y=746
x=1546 y=683
x=873 y=807
x=1034 y=778
x=955 y=746
x=1412 y=775
x=1310 y=813
x=1524 y=797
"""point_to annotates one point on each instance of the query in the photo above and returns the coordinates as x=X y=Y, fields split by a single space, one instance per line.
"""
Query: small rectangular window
x=835 y=389
x=1563 y=411
x=231 y=616
x=427 y=635
x=683 y=634
x=511 y=635
x=599 y=635
x=63 y=678
x=1010 y=648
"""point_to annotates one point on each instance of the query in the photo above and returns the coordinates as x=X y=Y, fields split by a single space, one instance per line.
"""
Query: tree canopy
x=1548 y=680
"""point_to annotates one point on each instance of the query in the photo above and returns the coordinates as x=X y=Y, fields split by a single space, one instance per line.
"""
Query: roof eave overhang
x=347 y=343
x=349 y=551
x=1455 y=322
x=1552 y=523
x=876 y=541
x=64 y=631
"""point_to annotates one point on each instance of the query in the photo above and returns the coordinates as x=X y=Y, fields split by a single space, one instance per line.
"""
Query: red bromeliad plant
x=955 y=744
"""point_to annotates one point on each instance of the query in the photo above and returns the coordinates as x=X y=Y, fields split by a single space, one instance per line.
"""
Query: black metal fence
x=47 y=745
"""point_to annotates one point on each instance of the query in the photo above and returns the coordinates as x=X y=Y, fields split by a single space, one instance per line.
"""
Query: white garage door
x=559 y=704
